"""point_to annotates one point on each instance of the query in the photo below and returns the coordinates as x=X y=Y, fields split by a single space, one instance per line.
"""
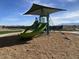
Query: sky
x=11 y=11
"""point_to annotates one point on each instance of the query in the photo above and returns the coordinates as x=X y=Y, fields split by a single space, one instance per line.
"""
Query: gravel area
x=57 y=45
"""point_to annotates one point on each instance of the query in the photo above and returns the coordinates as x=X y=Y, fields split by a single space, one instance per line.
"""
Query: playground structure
x=43 y=13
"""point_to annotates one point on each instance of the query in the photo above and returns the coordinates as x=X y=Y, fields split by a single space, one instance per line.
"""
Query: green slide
x=34 y=25
x=34 y=33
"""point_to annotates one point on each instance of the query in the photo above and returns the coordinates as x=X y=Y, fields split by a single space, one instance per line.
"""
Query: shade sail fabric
x=42 y=10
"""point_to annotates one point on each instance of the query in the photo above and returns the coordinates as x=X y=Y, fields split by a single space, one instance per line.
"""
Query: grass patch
x=5 y=32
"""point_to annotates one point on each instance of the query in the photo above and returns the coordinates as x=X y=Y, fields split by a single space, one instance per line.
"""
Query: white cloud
x=49 y=5
x=68 y=0
x=71 y=0
x=40 y=3
x=32 y=1
x=72 y=14
x=65 y=17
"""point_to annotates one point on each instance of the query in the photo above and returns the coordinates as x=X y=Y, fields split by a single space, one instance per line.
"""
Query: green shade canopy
x=42 y=10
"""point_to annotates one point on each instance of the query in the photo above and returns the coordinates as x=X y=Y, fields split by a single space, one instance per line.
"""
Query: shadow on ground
x=11 y=40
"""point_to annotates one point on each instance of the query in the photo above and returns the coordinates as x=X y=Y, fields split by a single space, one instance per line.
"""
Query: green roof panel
x=42 y=10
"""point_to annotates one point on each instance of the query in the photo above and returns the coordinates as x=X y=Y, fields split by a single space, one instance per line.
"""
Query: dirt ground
x=54 y=46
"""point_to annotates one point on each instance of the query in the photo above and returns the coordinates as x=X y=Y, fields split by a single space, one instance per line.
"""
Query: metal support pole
x=40 y=18
x=47 y=24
